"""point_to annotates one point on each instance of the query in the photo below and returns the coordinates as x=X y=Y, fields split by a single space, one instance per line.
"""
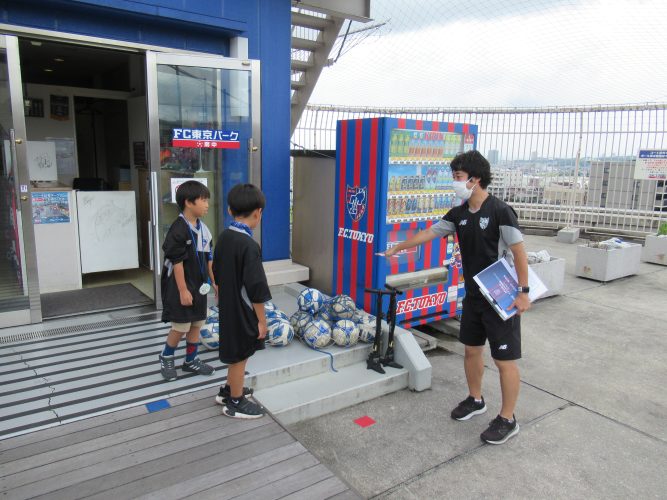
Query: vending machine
x=393 y=180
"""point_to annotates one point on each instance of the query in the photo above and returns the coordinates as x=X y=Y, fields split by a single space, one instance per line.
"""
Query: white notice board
x=651 y=164
x=42 y=161
x=107 y=230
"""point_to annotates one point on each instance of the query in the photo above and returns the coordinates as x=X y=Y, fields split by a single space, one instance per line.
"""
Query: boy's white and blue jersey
x=191 y=245
x=484 y=236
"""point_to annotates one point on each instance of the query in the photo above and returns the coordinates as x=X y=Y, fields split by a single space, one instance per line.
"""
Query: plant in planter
x=662 y=230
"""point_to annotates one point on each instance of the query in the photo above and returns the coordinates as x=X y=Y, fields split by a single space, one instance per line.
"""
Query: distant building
x=612 y=185
x=493 y=156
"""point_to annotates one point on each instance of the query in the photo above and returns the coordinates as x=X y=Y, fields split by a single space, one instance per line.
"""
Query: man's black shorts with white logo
x=480 y=322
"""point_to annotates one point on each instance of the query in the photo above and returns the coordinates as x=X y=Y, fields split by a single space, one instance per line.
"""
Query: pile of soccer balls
x=320 y=321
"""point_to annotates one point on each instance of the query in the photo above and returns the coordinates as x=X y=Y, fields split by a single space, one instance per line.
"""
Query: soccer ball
x=345 y=333
x=269 y=306
x=366 y=324
x=209 y=337
x=343 y=307
x=317 y=333
x=310 y=300
x=280 y=334
x=298 y=321
x=212 y=316
x=276 y=316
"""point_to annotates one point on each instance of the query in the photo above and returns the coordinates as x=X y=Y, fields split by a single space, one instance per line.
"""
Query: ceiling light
x=48 y=70
x=35 y=43
x=58 y=59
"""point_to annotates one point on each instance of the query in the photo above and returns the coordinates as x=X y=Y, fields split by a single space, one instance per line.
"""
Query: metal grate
x=22 y=337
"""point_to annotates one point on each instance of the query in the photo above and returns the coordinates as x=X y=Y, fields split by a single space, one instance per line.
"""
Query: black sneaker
x=243 y=409
x=224 y=394
x=198 y=366
x=167 y=367
x=468 y=408
x=500 y=430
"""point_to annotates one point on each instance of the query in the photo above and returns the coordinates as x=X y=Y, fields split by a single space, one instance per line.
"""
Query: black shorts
x=235 y=348
x=480 y=322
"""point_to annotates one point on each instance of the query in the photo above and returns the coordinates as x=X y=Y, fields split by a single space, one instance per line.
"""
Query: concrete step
x=328 y=392
x=281 y=365
x=280 y=272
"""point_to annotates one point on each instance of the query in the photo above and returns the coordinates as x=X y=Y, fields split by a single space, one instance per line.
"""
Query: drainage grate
x=21 y=337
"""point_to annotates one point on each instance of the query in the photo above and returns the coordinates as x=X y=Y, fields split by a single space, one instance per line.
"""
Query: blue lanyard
x=243 y=227
x=203 y=242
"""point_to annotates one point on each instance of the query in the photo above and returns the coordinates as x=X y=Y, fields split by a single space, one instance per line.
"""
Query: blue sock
x=191 y=352
x=168 y=350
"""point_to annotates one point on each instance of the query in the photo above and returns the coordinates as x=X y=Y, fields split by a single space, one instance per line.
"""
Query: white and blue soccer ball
x=269 y=306
x=280 y=334
x=345 y=333
x=276 y=316
x=209 y=336
x=343 y=307
x=298 y=320
x=317 y=333
x=310 y=300
x=366 y=325
x=212 y=315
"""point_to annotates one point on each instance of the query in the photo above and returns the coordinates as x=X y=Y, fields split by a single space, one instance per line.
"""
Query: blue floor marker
x=161 y=404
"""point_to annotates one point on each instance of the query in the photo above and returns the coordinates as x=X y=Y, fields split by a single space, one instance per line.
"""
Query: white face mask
x=461 y=189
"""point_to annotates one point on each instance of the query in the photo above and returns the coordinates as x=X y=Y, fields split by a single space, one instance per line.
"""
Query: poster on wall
x=50 y=207
x=60 y=107
x=42 y=161
x=177 y=181
x=651 y=164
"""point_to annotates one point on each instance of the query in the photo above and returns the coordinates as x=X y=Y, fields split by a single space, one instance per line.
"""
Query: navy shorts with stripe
x=480 y=322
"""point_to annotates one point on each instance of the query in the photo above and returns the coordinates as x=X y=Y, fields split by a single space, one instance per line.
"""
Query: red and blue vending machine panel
x=393 y=180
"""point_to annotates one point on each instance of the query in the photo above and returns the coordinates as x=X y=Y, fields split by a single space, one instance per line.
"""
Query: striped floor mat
x=52 y=380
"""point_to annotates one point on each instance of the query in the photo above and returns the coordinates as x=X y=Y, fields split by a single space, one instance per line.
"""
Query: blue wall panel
x=205 y=26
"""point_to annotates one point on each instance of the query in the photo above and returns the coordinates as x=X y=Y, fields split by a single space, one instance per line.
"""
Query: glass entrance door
x=18 y=275
x=204 y=126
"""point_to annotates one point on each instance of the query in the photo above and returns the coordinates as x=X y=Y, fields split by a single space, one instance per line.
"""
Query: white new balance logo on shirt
x=503 y=347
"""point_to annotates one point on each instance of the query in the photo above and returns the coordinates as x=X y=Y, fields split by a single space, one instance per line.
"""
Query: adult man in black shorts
x=487 y=229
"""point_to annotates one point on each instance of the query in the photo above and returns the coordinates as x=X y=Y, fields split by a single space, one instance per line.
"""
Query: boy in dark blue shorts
x=238 y=269
x=187 y=277
x=487 y=229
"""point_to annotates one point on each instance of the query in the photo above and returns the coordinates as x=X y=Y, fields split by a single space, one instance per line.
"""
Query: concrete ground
x=592 y=409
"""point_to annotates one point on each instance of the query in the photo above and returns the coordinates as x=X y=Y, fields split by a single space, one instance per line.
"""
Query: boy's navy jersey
x=484 y=236
x=179 y=246
x=239 y=273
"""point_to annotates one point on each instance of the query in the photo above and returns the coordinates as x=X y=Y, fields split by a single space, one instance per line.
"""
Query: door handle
x=24 y=198
x=18 y=141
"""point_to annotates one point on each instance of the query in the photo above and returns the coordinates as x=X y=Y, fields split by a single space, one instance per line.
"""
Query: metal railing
x=557 y=166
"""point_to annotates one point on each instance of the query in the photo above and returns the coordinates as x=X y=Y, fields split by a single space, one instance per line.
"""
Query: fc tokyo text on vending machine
x=393 y=180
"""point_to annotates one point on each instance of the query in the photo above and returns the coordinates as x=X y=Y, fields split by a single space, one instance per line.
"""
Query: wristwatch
x=523 y=289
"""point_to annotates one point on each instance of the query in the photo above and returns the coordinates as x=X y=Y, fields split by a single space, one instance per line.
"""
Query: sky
x=502 y=53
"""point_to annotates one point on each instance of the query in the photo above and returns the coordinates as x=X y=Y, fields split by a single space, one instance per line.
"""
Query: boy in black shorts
x=187 y=277
x=487 y=229
x=237 y=267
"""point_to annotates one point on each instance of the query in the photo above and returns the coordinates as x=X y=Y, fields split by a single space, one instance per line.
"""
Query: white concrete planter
x=655 y=250
x=568 y=235
x=606 y=265
x=552 y=274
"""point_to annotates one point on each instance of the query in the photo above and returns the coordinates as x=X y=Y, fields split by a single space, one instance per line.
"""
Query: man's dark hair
x=473 y=164
x=244 y=199
x=191 y=191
